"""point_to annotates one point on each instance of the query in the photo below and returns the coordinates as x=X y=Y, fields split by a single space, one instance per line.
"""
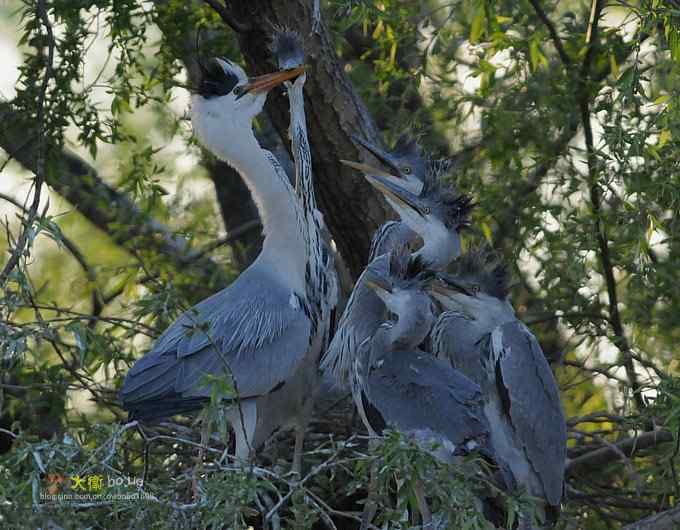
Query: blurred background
x=562 y=122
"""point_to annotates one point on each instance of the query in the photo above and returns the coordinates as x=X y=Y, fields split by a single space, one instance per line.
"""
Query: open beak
x=380 y=154
x=366 y=169
x=266 y=82
x=447 y=285
x=395 y=192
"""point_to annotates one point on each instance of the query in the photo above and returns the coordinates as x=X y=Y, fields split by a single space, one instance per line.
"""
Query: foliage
x=569 y=145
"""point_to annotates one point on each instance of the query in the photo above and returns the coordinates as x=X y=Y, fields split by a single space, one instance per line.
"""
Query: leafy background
x=562 y=120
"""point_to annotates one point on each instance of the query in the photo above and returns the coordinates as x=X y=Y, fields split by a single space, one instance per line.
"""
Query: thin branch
x=596 y=460
x=233 y=235
x=227 y=17
x=596 y=201
x=553 y=32
x=659 y=521
x=97 y=297
x=23 y=240
x=104 y=206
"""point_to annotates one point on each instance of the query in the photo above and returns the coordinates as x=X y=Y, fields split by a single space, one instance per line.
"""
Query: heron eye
x=407 y=170
x=238 y=91
x=426 y=210
x=474 y=289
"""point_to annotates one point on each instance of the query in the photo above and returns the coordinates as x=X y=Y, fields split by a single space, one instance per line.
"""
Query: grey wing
x=254 y=330
x=362 y=316
x=455 y=338
x=534 y=403
x=417 y=393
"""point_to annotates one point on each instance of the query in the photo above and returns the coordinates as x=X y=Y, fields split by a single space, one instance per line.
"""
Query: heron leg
x=198 y=467
x=243 y=419
x=423 y=507
x=300 y=429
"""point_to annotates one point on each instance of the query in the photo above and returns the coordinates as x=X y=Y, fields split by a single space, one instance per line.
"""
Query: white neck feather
x=440 y=246
x=283 y=248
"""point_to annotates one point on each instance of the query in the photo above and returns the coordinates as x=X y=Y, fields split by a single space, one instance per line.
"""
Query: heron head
x=437 y=213
x=405 y=163
x=480 y=280
x=227 y=100
x=403 y=288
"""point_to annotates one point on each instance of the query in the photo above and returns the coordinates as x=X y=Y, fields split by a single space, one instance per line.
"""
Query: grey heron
x=436 y=215
x=481 y=336
x=409 y=390
x=260 y=331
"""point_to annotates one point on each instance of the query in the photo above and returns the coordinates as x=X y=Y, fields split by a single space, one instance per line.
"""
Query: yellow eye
x=407 y=170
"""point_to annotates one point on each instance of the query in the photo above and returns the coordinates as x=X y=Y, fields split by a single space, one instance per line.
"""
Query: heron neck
x=278 y=207
x=440 y=248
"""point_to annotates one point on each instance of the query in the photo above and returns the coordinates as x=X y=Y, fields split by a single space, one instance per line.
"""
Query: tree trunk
x=352 y=210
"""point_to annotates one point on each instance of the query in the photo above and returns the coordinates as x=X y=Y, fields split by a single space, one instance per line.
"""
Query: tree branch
x=596 y=201
x=659 y=521
x=596 y=460
x=23 y=240
x=105 y=207
x=553 y=32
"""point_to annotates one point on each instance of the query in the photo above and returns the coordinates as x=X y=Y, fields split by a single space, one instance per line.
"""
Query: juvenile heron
x=407 y=389
x=260 y=331
x=412 y=390
x=481 y=336
x=436 y=216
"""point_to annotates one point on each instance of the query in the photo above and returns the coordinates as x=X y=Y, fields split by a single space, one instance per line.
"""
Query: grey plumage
x=240 y=326
x=481 y=336
x=288 y=49
x=266 y=330
x=532 y=405
x=420 y=395
x=447 y=214
x=364 y=311
x=411 y=390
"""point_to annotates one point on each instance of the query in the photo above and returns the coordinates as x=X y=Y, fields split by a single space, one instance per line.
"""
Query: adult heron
x=436 y=215
x=481 y=336
x=259 y=332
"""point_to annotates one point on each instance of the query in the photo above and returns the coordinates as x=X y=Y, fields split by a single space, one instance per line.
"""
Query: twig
x=229 y=238
x=10 y=433
x=315 y=471
x=553 y=32
x=600 y=229
x=659 y=521
x=595 y=460
x=18 y=250
x=228 y=18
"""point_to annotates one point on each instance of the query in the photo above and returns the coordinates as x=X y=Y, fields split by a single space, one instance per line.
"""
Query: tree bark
x=352 y=210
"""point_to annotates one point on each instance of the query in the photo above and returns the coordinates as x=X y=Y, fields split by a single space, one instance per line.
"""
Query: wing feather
x=253 y=329
x=534 y=404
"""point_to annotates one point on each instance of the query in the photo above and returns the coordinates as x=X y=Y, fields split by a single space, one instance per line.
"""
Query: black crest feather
x=457 y=206
x=215 y=80
x=485 y=267
x=408 y=145
x=287 y=47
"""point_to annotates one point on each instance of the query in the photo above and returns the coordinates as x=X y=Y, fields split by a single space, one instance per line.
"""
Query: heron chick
x=481 y=336
x=435 y=216
x=412 y=391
